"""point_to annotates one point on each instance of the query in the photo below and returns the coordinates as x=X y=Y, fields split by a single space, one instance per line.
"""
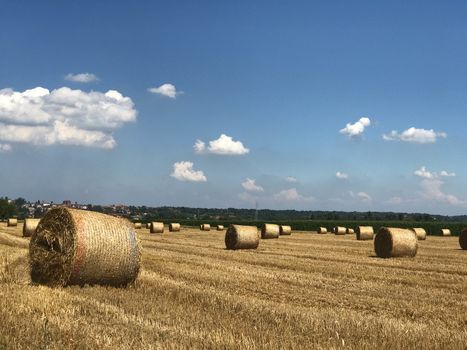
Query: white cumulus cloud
x=447 y=174
x=291 y=195
x=356 y=129
x=291 y=179
x=342 y=176
x=5 y=147
x=183 y=171
x=363 y=196
x=424 y=173
x=432 y=190
x=224 y=145
x=167 y=90
x=251 y=186
x=63 y=116
x=415 y=135
x=81 y=77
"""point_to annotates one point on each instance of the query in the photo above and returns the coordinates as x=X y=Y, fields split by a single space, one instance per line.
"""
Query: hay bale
x=395 y=242
x=420 y=233
x=30 y=226
x=270 y=231
x=322 y=230
x=138 y=225
x=339 y=230
x=349 y=231
x=220 y=227
x=12 y=222
x=463 y=239
x=174 y=227
x=157 y=227
x=241 y=237
x=445 y=232
x=285 y=230
x=205 y=227
x=78 y=247
x=364 y=233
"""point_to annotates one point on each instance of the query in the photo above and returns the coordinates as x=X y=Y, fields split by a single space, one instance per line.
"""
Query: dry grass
x=299 y=292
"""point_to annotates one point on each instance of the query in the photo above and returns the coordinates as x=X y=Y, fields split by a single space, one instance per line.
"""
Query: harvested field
x=296 y=292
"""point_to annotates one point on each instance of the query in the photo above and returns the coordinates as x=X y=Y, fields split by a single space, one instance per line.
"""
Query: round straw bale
x=30 y=226
x=285 y=230
x=205 y=227
x=445 y=232
x=322 y=230
x=241 y=237
x=138 y=225
x=395 y=242
x=220 y=227
x=270 y=231
x=364 y=233
x=157 y=227
x=463 y=239
x=78 y=247
x=349 y=231
x=12 y=222
x=420 y=233
x=174 y=227
x=339 y=230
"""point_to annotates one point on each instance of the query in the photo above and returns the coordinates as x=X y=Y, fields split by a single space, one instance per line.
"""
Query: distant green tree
x=7 y=210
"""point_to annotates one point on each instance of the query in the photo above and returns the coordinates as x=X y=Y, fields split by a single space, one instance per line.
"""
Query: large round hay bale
x=285 y=230
x=395 y=242
x=270 y=231
x=220 y=227
x=339 y=230
x=205 y=227
x=157 y=227
x=138 y=225
x=174 y=227
x=349 y=231
x=30 y=226
x=364 y=233
x=463 y=239
x=241 y=237
x=445 y=232
x=77 y=247
x=420 y=233
x=322 y=230
x=12 y=222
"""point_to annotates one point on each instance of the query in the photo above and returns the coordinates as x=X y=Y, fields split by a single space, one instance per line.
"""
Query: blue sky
x=326 y=105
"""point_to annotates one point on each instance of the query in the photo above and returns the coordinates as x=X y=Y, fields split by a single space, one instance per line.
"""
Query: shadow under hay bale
x=12 y=222
x=420 y=233
x=349 y=231
x=445 y=232
x=463 y=239
x=138 y=225
x=285 y=230
x=339 y=230
x=156 y=227
x=174 y=227
x=220 y=227
x=395 y=242
x=241 y=237
x=364 y=233
x=77 y=247
x=205 y=227
x=29 y=227
x=270 y=231
x=322 y=230
x=148 y=225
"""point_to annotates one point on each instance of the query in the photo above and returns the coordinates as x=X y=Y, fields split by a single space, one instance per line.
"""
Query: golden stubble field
x=306 y=291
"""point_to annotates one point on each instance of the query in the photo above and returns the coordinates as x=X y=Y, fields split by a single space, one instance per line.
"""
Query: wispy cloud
x=424 y=173
x=167 y=90
x=291 y=179
x=251 y=186
x=224 y=145
x=5 y=147
x=356 y=129
x=63 y=116
x=363 y=196
x=342 y=176
x=291 y=195
x=183 y=171
x=81 y=77
x=415 y=135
